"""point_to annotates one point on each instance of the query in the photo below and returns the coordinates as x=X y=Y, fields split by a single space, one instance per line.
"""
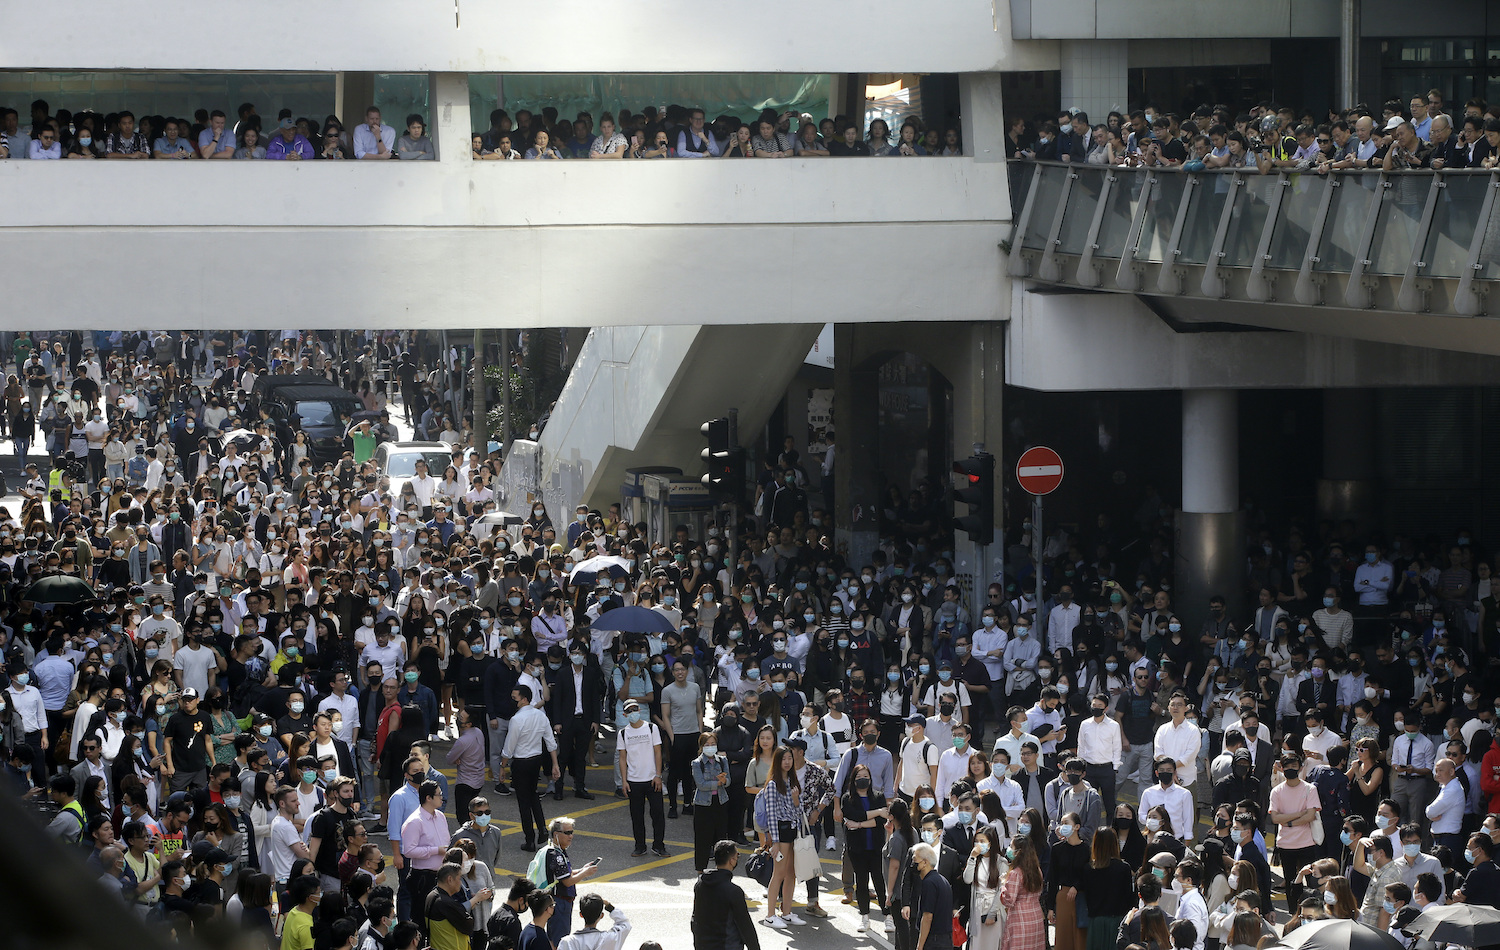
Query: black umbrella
x=59 y=589
x=1340 y=935
x=1472 y=925
x=634 y=620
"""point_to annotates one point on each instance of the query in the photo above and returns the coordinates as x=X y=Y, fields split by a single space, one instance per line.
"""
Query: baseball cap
x=190 y=693
x=916 y=719
x=1393 y=122
x=286 y=123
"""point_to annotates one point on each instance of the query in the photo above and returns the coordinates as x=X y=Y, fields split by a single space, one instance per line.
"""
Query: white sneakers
x=793 y=919
x=832 y=844
x=864 y=924
x=890 y=925
x=774 y=922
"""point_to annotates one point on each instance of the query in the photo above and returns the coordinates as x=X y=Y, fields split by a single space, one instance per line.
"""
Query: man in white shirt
x=1412 y=757
x=343 y=702
x=640 y=772
x=529 y=743
x=953 y=764
x=1180 y=740
x=1101 y=744
x=1012 y=741
x=1446 y=812
x=194 y=663
x=1319 y=739
x=1175 y=799
x=917 y=762
x=1190 y=905
x=373 y=140
x=1061 y=621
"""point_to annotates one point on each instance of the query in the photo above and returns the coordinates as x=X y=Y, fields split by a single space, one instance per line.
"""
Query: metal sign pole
x=1036 y=557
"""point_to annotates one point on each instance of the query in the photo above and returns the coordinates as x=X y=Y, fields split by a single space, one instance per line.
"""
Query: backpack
x=536 y=871
x=762 y=815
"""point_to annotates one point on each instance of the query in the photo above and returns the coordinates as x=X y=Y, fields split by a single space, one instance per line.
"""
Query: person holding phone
x=563 y=879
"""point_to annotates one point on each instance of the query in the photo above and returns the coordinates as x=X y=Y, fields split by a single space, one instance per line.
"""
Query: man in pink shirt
x=424 y=841
x=1294 y=808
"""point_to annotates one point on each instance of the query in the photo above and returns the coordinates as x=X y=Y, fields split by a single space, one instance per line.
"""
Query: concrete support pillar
x=1095 y=76
x=451 y=124
x=983 y=119
x=1210 y=528
x=978 y=392
x=353 y=93
x=856 y=422
x=1348 y=486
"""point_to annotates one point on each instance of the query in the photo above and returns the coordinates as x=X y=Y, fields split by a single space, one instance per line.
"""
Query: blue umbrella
x=633 y=620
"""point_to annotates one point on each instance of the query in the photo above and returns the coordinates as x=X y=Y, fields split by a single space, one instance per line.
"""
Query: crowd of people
x=208 y=135
x=673 y=132
x=268 y=645
x=1420 y=132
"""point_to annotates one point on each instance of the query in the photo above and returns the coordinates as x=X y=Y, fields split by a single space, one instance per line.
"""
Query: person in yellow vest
x=58 y=480
x=68 y=825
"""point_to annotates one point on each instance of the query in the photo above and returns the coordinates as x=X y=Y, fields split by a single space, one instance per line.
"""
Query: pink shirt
x=1284 y=798
x=424 y=839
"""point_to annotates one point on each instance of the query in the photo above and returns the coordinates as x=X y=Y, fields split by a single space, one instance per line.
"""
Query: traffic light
x=723 y=461
x=977 y=490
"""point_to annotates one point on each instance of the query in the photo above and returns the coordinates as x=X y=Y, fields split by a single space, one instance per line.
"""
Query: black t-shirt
x=86 y=389
x=291 y=725
x=842 y=148
x=189 y=737
x=327 y=827
x=935 y=897
x=1174 y=151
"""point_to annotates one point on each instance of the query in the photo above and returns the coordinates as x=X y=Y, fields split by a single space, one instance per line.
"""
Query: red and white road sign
x=1039 y=470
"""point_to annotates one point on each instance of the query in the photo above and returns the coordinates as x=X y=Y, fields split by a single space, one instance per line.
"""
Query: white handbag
x=805 y=854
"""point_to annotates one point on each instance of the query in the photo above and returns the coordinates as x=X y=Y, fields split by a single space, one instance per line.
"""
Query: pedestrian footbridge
x=1415 y=242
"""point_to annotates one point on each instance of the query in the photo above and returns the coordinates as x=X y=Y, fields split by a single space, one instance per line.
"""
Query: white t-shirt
x=279 y=854
x=196 y=664
x=840 y=730
x=917 y=759
x=640 y=759
x=1320 y=744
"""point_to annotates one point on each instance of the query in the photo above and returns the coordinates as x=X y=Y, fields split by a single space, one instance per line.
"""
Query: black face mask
x=1098 y=712
x=1165 y=778
x=1124 y=824
x=946 y=709
x=1075 y=777
x=862 y=784
x=1290 y=774
x=870 y=741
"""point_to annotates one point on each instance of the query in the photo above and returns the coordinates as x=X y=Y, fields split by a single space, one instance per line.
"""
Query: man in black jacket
x=577 y=697
x=721 y=921
x=734 y=744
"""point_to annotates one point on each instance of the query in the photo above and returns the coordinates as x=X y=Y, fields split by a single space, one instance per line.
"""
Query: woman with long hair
x=865 y=811
x=758 y=769
x=1338 y=897
x=1106 y=888
x=1021 y=896
x=1070 y=862
x=783 y=808
x=898 y=845
x=1132 y=844
x=985 y=870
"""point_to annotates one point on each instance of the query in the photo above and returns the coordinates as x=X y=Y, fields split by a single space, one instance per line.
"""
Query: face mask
x=779 y=687
x=945 y=675
x=1411 y=850
x=965 y=817
x=928 y=803
x=930 y=837
x=1390 y=906
x=1160 y=873
x=297 y=707
x=309 y=776
x=1381 y=821
x=23 y=678
x=753 y=672
x=265 y=732
x=633 y=718
x=232 y=802
x=906 y=598
x=1174 y=627
x=1369 y=692
x=1329 y=897
x=856 y=625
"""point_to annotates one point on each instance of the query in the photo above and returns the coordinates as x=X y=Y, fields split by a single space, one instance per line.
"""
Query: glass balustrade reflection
x=1078 y=216
x=1161 y=214
x=1047 y=193
x=1454 y=220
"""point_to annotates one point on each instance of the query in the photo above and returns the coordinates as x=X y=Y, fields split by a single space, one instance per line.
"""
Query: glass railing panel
x=1203 y=215
x=1396 y=227
x=1161 y=214
x=1247 y=220
x=1078 y=216
x=1294 y=221
x=1046 y=194
x=1119 y=212
x=1346 y=221
x=1454 y=219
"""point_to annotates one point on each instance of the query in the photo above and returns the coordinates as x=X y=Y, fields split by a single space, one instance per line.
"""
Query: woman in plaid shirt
x=783 y=808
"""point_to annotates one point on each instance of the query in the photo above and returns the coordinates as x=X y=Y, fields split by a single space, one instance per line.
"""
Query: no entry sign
x=1039 y=470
